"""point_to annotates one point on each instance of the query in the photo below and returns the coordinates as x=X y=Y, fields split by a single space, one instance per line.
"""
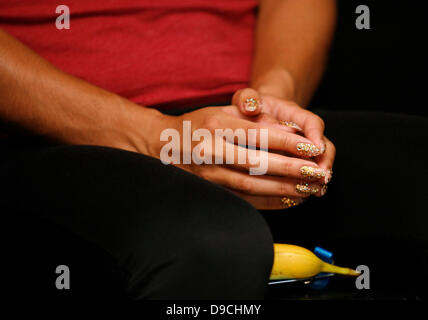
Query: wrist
x=142 y=128
x=276 y=82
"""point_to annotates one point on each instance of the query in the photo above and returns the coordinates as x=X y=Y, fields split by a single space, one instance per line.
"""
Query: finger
x=264 y=119
x=248 y=100
x=230 y=147
x=326 y=160
x=274 y=164
x=271 y=122
x=312 y=125
x=274 y=139
x=270 y=203
x=261 y=185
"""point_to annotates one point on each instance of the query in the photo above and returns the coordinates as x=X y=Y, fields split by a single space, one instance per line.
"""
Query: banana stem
x=330 y=268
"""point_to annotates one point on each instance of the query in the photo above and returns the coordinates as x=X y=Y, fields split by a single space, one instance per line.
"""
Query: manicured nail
x=251 y=104
x=288 y=202
x=306 y=188
x=312 y=173
x=328 y=176
x=324 y=188
x=290 y=124
x=323 y=147
x=307 y=149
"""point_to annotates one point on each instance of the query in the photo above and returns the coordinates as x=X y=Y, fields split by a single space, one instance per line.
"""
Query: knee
x=228 y=254
x=202 y=243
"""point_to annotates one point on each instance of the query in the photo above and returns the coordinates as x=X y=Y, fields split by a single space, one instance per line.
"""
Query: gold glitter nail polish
x=329 y=176
x=290 y=124
x=324 y=188
x=307 y=149
x=251 y=104
x=323 y=147
x=288 y=203
x=306 y=188
x=312 y=173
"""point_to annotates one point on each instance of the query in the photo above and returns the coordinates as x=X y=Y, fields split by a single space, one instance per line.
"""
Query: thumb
x=248 y=100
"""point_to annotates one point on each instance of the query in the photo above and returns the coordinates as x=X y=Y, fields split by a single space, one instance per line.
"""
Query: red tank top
x=161 y=53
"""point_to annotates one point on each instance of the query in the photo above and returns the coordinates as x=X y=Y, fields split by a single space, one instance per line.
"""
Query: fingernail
x=251 y=104
x=288 y=202
x=329 y=176
x=290 y=124
x=324 y=188
x=323 y=147
x=306 y=188
x=312 y=173
x=307 y=149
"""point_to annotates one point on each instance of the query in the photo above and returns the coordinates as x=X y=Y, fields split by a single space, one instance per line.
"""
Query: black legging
x=128 y=226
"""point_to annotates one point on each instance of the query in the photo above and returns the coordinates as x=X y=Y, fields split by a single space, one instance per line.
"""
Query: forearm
x=292 y=41
x=41 y=100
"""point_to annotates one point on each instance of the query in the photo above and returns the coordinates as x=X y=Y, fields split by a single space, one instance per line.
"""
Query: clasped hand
x=299 y=156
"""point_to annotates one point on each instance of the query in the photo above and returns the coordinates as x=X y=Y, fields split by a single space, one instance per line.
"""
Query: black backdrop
x=384 y=68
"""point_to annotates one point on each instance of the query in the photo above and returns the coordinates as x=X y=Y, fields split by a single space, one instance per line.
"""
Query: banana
x=294 y=262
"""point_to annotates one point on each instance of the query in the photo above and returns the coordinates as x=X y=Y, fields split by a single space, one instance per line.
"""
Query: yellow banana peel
x=294 y=262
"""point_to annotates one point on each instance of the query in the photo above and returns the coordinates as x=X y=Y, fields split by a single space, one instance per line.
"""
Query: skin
x=292 y=42
x=40 y=100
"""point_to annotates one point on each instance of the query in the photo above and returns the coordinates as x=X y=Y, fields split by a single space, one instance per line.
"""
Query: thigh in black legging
x=126 y=224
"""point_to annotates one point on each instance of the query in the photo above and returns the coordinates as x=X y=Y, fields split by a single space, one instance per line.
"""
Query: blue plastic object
x=325 y=256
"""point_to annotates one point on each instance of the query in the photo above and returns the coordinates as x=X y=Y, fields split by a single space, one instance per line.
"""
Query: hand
x=280 y=112
x=283 y=172
x=269 y=110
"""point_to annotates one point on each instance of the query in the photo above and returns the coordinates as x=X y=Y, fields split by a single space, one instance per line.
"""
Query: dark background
x=383 y=68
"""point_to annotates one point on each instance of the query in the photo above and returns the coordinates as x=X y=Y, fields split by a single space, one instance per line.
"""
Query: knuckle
x=321 y=121
x=284 y=140
x=333 y=148
x=311 y=119
x=283 y=188
x=287 y=168
x=211 y=123
x=244 y=184
x=330 y=147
